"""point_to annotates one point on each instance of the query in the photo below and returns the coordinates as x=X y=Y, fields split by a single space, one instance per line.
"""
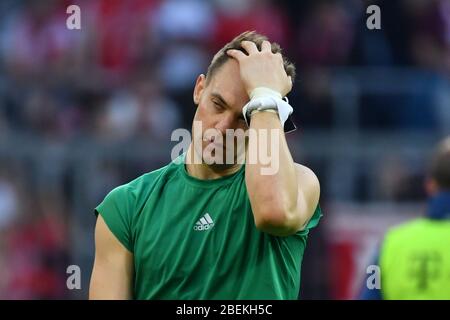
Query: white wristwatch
x=279 y=105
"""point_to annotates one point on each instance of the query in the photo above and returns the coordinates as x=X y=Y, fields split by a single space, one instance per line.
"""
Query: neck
x=207 y=172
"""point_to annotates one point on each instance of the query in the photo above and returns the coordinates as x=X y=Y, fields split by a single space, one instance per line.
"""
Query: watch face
x=289 y=125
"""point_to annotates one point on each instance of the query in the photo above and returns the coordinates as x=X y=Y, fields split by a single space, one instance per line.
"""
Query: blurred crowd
x=131 y=68
x=129 y=73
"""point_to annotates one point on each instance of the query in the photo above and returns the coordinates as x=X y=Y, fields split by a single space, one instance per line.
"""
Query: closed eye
x=218 y=105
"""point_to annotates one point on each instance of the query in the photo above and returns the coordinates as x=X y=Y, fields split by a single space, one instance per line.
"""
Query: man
x=207 y=229
x=414 y=258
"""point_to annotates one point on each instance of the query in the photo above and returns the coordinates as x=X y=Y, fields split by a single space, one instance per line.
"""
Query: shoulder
x=405 y=230
x=142 y=184
x=147 y=180
x=121 y=202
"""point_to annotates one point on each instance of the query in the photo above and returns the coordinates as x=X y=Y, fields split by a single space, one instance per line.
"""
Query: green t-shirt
x=196 y=239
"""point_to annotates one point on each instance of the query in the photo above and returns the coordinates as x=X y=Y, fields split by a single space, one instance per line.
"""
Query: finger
x=266 y=46
x=249 y=46
x=279 y=56
x=290 y=83
x=236 y=54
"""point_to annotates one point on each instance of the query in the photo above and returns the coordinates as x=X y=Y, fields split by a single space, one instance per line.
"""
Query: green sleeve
x=116 y=209
x=313 y=222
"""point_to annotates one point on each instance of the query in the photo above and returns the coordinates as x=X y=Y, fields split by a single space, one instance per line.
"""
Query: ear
x=200 y=85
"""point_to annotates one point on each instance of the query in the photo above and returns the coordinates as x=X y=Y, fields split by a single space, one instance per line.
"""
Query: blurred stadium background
x=82 y=111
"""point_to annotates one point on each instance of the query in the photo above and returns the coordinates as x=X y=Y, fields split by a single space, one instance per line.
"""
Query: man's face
x=220 y=104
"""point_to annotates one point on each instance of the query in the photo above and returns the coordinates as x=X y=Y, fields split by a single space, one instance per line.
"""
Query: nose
x=225 y=122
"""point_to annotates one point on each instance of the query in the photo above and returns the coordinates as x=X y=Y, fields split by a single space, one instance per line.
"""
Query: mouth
x=212 y=143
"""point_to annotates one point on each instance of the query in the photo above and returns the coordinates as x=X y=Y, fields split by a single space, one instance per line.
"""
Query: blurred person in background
x=210 y=230
x=33 y=238
x=414 y=258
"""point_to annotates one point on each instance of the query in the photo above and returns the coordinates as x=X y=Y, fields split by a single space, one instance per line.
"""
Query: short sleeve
x=313 y=222
x=116 y=209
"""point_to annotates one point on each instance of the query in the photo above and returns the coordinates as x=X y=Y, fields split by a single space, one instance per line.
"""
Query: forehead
x=227 y=82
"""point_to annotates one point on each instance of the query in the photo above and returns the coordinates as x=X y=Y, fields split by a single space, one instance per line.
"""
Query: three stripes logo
x=205 y=223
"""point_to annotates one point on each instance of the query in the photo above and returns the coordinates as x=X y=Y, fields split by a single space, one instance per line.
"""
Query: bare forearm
x=273 y=195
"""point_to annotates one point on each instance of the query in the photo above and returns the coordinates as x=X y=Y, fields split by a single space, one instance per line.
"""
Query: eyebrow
x=222 y=100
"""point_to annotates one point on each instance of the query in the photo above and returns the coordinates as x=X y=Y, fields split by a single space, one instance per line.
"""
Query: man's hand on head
x=261 y=68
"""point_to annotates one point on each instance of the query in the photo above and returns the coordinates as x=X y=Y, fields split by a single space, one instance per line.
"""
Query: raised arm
x=284 y=196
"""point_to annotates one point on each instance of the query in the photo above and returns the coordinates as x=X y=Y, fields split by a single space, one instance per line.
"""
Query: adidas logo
x=204 y=223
